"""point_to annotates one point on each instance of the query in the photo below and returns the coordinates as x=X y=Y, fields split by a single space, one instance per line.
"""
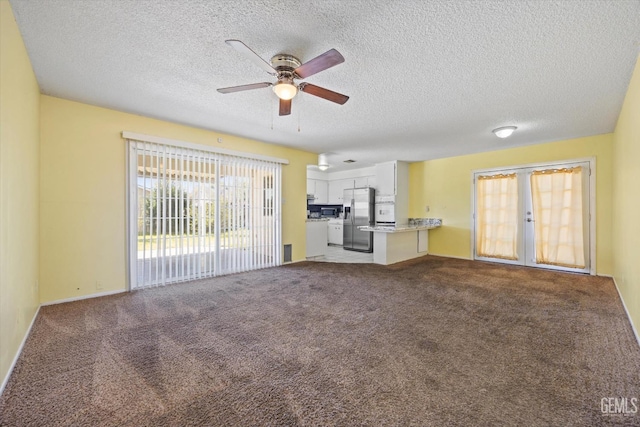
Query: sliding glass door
x=535 y=216
x=196 y=214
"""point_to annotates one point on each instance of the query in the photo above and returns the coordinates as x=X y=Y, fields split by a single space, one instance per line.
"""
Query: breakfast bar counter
x=393 y=244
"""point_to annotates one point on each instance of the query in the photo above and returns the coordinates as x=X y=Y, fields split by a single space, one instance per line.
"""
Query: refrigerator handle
x=353 y=206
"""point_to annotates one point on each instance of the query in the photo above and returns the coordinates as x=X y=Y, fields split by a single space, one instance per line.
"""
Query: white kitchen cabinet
x=337 y=187
x=347 y=183
x=423 y=241
x=322 y=193
x=319 y=189
x=362 y=181
x=392 y=179
x=386 y=177
x=335 y=192
x=334 y=232
x=316 y=238
x=371 y=181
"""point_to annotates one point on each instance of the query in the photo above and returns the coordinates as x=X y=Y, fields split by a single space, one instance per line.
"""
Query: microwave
x=329 y=212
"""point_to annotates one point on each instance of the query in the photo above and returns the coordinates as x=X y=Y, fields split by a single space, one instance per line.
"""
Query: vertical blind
x=497 y=221
x=196 y=214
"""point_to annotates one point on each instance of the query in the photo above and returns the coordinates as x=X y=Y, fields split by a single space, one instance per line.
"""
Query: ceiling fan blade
x=251 y=55
x=285 y=107
x=321 y=92
x=319 y=63
x=243 y=87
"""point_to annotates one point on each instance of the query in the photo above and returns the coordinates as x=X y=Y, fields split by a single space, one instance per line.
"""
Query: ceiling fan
x=287 y=68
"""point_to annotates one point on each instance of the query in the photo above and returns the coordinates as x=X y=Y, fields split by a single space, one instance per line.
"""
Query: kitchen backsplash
x=315 y=211
x=430 y=222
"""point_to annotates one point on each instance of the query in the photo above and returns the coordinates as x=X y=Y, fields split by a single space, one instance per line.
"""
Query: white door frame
x=592 y=205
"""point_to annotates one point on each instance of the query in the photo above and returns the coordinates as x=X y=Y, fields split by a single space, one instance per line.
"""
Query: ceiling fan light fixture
x=285 y=90
x=505 y=131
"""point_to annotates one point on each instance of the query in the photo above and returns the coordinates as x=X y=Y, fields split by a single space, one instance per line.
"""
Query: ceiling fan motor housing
x=285 y=64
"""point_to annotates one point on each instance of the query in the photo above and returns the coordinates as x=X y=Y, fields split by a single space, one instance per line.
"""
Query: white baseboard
x=451 y=256
x=100 y=294
x=633 y=327
x=15 y=359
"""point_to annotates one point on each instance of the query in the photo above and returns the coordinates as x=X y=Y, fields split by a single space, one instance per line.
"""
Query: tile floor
x=338 y=254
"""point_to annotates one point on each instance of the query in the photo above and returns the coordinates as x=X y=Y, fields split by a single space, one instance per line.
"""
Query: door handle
x=530 y=220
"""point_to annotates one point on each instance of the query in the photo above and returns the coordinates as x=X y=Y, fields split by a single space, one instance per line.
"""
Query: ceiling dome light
x=504 y=132
x=285 y=90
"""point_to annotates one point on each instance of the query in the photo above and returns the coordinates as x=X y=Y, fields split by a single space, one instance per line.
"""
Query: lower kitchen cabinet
x=334 y=232
x=316 y=238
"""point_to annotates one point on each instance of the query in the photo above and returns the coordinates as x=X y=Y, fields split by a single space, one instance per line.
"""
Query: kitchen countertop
x=414 y=224
x=317 y=219
x=396 y=229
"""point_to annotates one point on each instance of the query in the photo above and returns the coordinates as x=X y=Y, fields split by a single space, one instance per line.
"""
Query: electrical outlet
x=98 y=285
x=427 y=208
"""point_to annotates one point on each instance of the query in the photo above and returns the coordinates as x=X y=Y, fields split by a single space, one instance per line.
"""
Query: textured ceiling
x=426 y=79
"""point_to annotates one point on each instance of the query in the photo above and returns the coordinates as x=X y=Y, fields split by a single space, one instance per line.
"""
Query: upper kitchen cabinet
x=392 y=178
x=336 y=190
x=334 y=183
x=371 y=182
x=337 y=186
x=362 y=181
x=320 y=191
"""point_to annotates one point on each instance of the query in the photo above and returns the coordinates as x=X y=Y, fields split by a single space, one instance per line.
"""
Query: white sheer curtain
x=558 y=212
x=197 y=214
x=497 y=216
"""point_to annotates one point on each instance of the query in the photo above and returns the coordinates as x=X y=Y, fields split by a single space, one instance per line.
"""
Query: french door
x=537 y=216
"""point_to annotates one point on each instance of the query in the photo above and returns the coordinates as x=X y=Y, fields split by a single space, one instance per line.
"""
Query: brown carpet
x=432 y=341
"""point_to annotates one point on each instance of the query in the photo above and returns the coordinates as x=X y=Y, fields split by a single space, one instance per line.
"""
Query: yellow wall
x=19 y=156
x=445 y=186
x=82 y=197
x=626 y=199
x=62 y=213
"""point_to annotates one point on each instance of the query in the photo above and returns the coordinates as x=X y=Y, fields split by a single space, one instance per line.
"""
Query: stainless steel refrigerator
x=358 y=211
